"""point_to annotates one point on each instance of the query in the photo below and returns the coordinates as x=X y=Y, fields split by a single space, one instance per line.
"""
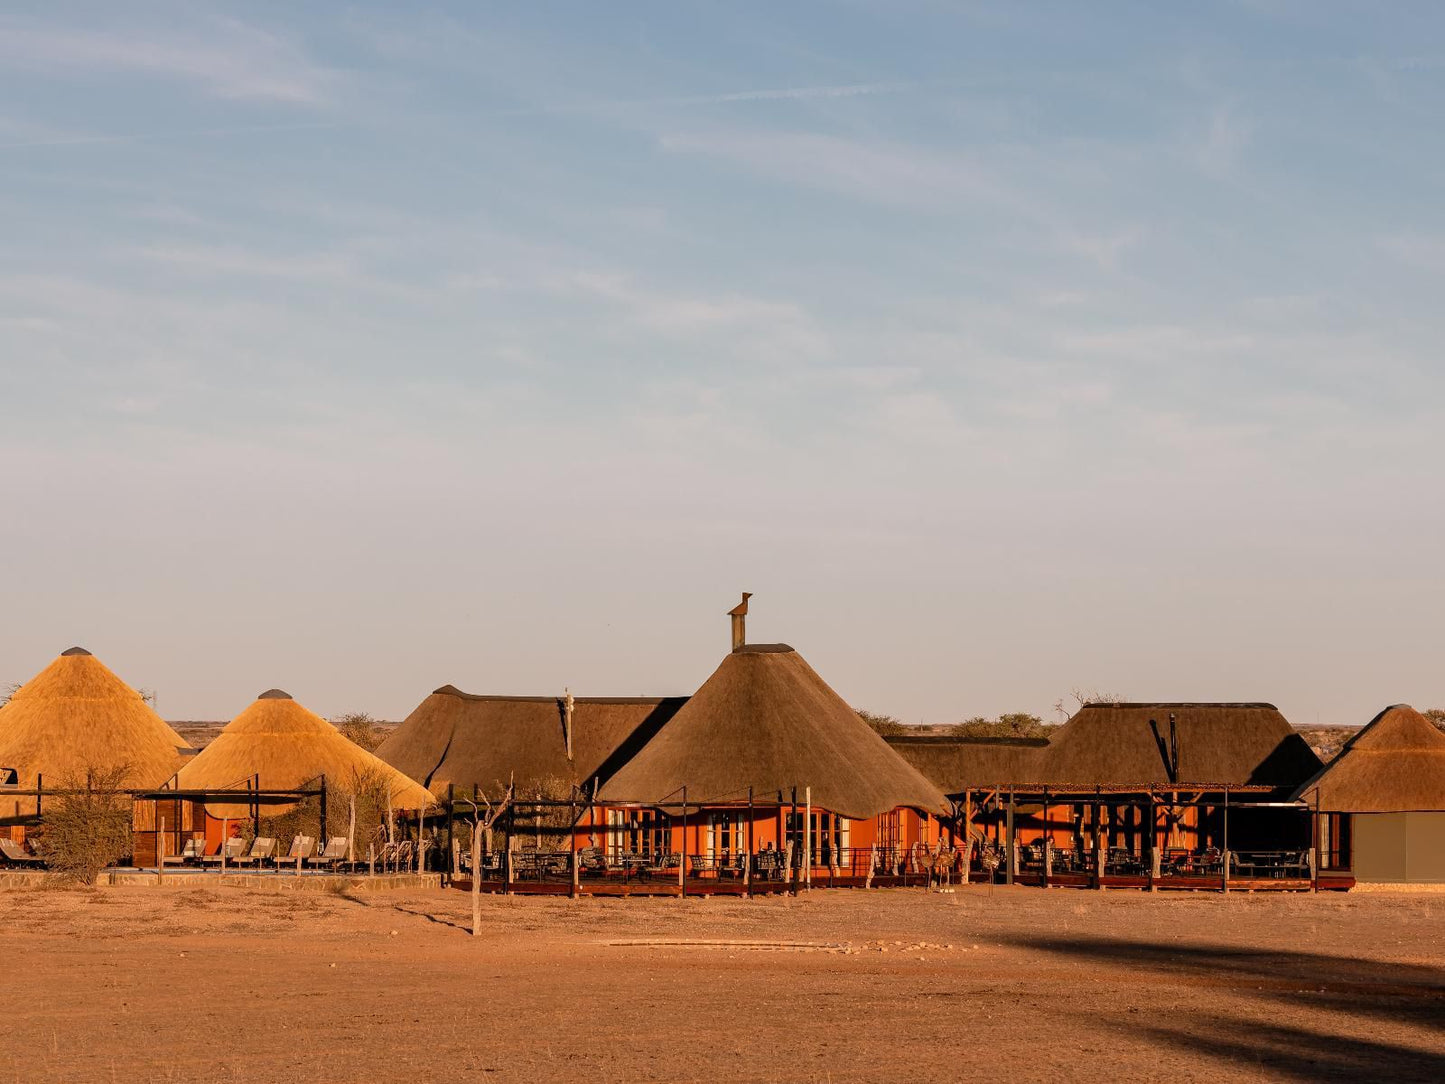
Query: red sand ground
x=213 y=984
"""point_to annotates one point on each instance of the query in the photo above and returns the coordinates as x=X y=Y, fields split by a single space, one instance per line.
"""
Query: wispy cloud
x=225 y=57
x=154 y=137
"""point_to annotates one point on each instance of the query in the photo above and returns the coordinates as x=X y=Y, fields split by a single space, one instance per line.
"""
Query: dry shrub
x=361 y=729
x=887 y=726
x=87 y=827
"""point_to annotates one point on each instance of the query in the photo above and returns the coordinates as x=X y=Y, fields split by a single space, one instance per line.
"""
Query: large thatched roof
x=290 y=748
x=1216 y=743
x=76 y=715
x=484 y=741
x=1396 y=764
x=1128 y=745
x=766 y=720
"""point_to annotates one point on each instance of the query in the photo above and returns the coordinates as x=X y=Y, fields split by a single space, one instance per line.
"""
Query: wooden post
x=967 y=857
x=1012 y=853
x=1315 y=850
x=1100 y=845
x=451 y=834
x=420 y=839
x=682 y=858
x=576 y=873
x=507 y=854
x=788 y=867
x=323 y=809
x=808 y=838
x=1153 y=844
x=872 y=864
x=160 y=844
x=351 y=833
x=748 y=857
x=225 y=841
x=476 y=877
x=390 y=828
x=371 y=859
x=1225 y=850
x=1048 y=842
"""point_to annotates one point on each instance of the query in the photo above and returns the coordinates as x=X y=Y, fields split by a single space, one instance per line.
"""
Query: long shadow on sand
x=1343 y=986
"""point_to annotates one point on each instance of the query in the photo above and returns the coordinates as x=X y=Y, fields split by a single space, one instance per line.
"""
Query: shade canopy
x=765 y=720
x=1396 y=764
x=76 y=716
x=279 y=745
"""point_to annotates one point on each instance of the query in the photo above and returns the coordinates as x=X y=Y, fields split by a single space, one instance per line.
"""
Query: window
x=829 y=834
x=727 y=834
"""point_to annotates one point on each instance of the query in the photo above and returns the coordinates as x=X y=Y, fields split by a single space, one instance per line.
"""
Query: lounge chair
x=15 y=854
x=234 y=847
x=262 y=848
x=302 y=848
x=333 y=853
x=193 y=850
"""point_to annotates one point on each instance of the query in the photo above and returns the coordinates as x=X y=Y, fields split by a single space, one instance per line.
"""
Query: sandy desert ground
x=231 y=984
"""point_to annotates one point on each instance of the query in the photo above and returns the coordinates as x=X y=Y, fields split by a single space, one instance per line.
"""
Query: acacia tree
x=1011 y=724
x=360 y=728
x=886 y=726
x=87 y=824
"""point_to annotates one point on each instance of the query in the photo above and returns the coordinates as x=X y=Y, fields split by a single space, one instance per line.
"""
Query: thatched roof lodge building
x=276 y=744
x=765 y=756
x=74 y=718
x=1134 y=781
x=273 y=747
x=765 y=751
x=1384 y=796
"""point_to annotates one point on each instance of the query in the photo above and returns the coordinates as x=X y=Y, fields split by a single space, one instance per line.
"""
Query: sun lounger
x=302 y=848
x=14 y=854
x=262 y=848
x=334 y=852
x=235 y=849
x=192 y=851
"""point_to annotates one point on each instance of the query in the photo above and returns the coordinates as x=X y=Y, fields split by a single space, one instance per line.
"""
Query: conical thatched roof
x=1396 y=764
x=76 y=715
x=467 y=740
x=290 y=748
x=766 y=720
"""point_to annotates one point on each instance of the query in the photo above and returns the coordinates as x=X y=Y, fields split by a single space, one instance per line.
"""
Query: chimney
x=739 y=614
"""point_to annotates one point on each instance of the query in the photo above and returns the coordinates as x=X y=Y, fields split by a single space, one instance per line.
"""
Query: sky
x=1001 y=350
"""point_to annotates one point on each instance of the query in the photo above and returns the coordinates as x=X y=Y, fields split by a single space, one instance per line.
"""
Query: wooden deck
x=1331 y=882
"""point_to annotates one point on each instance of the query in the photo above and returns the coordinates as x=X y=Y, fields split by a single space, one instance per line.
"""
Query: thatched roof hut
x=1129 y=745
x=290 y=748
x=766 y=720
x=541 y=743
x=76 y=716
x=1396 y=764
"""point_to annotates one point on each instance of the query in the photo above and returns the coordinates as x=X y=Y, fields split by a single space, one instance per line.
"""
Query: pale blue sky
x=1000 y=349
